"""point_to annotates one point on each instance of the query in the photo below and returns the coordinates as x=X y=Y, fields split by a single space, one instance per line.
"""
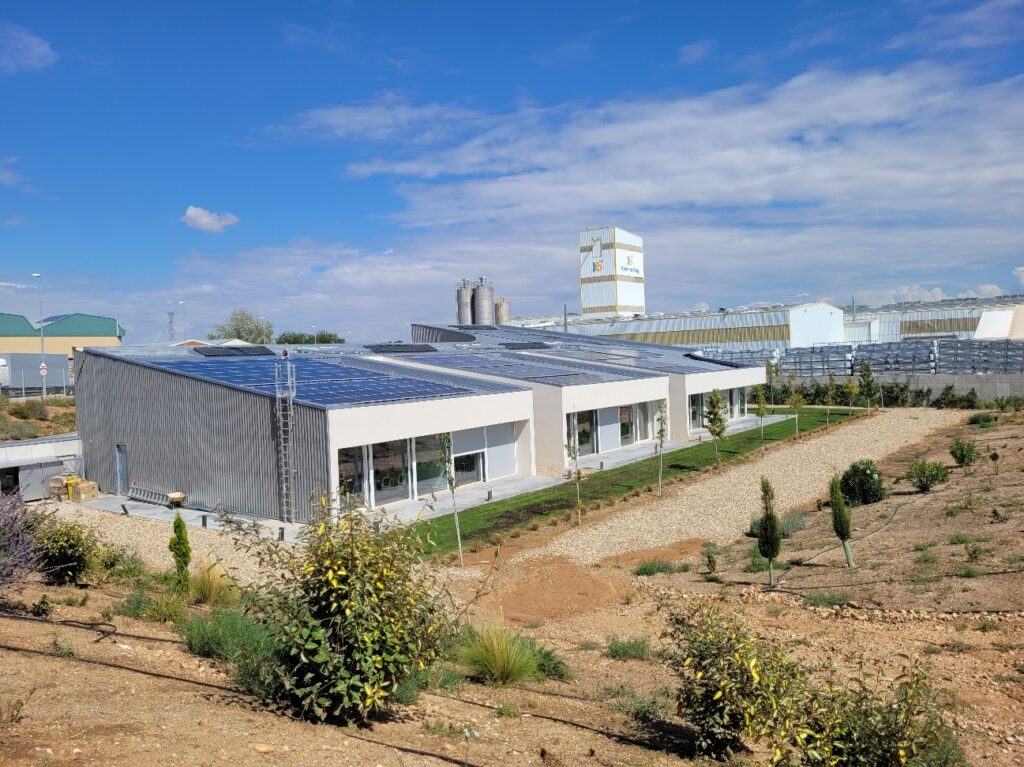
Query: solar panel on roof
x=254 y=351
x=400 y=348
x=214 y=351
x=525 y=345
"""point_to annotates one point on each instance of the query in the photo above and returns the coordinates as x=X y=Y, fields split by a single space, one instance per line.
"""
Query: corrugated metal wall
x=212 y=442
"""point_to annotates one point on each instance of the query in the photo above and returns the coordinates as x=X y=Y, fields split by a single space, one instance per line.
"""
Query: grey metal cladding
x=215 y=443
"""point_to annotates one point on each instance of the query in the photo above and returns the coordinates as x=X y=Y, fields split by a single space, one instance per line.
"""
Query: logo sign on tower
x=42 y=369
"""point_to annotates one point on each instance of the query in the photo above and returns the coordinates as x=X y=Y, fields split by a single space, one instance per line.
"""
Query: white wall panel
x=608 y=429
x=501 y=450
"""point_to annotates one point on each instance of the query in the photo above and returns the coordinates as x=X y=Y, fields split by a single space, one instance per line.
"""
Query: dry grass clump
x=552 y=521
x=475 y=544
x=495 y=655
x=496 y=539
x=211 y=584
x=515 y=532
x=534 y=525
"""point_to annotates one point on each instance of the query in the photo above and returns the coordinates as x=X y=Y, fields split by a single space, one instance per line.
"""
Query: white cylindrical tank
x=464 y=302
x=483 y=303
x=502 y=311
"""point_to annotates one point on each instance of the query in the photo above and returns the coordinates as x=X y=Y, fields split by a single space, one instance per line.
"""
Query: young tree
x=850 y=389
x=868 y=384
x=762 y=411
x=181 y=550
x=841 y=522
x=830 y=398
x=661 y=418
x=448 y=472
x=244 y=325
x=771 y=374
x=796 y=400
x=572 y=449
x=769 y=534
x=715 y=418
x=294 y=337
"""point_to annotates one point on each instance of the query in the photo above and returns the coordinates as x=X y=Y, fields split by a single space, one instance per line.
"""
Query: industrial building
x=611 y=273
x=257 y=433
x=60 y=334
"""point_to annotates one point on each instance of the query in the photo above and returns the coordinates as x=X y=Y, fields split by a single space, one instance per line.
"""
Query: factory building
x=256 y=433
x=961 y=318
x=611 y=273
x=60 y=334
x=775 y=327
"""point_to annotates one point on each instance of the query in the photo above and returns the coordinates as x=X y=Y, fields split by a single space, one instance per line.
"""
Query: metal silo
x=464 y=302
x=502 y=311
x=483 y=303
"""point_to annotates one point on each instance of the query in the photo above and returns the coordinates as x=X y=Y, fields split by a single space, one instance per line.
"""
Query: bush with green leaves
x=982 y=419
x=351 y=612
x=924 y=475
x=30 y=410
x=65 y=551
x=19 y=545
x=964 y=453
x=735 y=686
x=842 y=523
x=862 y=484
x=769 y=534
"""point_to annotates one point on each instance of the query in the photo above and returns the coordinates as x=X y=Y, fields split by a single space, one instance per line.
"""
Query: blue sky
x=344 y=163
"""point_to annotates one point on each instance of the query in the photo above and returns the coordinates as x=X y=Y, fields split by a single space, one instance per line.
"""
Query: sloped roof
x=16 y=325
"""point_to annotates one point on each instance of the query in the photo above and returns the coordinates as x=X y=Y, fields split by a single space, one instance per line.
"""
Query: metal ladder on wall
x=284 y=411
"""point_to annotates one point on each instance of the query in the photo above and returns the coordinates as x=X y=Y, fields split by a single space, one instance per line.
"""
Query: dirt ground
x=155 y=704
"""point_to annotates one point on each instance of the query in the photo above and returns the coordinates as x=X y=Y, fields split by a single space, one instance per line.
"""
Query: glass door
x=429 y=469
x=696 y=411
x=469 y=468
x=586 y=433
x=627 y=432
x=643 y=421
x=350 y=471
x=390 y=472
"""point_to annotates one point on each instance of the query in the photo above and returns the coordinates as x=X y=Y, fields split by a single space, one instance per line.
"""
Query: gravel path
x=149 y=537
x=718 y=507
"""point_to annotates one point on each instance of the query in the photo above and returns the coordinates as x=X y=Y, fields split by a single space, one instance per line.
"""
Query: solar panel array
x=233 y=351
x=525 y=367
x=319 y=383
x=400 y=348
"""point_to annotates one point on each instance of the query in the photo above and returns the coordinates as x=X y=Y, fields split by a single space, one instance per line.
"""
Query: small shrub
x=166 y=608
x=233 y=637
x=926 y=559
x=925 y=545
x=826 y=599
x=10 y=710
x=496 y=539
x=966 y=571
x=924 y=475
x=549 y=665
x=30 y=410
x=19 y=544
x=515 y=532
x=959 y=539
x=58 y=647
x=42 y=608
x=862 y=484
x=552 y=521
x=655 y=566
x=136 y=605
x=534 y=525
x=495 y=655
x=181 y=550
x=118 y=564
x=756 y=563
x=448 y=679
x=646 y=709
x=635 y=648
x=475 y=545
x=982 y=419
x=964 y=453
x=955 y=510
x=66 y=549
x=507 y=711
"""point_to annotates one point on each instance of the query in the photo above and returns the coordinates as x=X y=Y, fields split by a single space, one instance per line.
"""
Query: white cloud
x=691 y=53
x=8 y=287
x=299 y=36
x=984 y=25
x=388 y=117
x=13 y=221
x=989 y=290
x=207 y=221
x=1018 y=272
x=22 y=51
x=9 y=176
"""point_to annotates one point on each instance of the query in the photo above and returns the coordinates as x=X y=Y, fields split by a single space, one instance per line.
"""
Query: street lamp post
x=316 y=336
x=184 y=318
x=42 y=333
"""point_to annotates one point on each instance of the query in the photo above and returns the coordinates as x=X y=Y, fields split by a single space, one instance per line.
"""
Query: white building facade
x=611 y=273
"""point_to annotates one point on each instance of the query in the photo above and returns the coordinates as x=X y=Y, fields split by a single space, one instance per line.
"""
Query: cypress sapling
x=769 y=536
x=841 y=522
x=181 y=550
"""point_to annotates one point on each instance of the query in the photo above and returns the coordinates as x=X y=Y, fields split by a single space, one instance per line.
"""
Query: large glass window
x=626 y=431
x=469 y=468
x=429 y=471
x=696 y=411
x=585 y=432
x=390 y=472
x=350 y=471
x=643 y=421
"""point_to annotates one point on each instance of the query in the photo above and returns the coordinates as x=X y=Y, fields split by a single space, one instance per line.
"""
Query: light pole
x=42 y=333
x=184 y=318
x=316 y=336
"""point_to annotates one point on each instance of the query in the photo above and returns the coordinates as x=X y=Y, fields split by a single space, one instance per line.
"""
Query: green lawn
x=501 y=516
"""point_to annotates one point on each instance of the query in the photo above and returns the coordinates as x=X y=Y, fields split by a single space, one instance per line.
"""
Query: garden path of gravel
x=718 y=507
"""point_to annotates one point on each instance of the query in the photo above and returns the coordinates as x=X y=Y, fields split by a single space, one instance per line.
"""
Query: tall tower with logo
x=611 y=273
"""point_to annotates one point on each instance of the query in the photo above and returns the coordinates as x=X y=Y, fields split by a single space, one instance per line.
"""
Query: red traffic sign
x=42 y=369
